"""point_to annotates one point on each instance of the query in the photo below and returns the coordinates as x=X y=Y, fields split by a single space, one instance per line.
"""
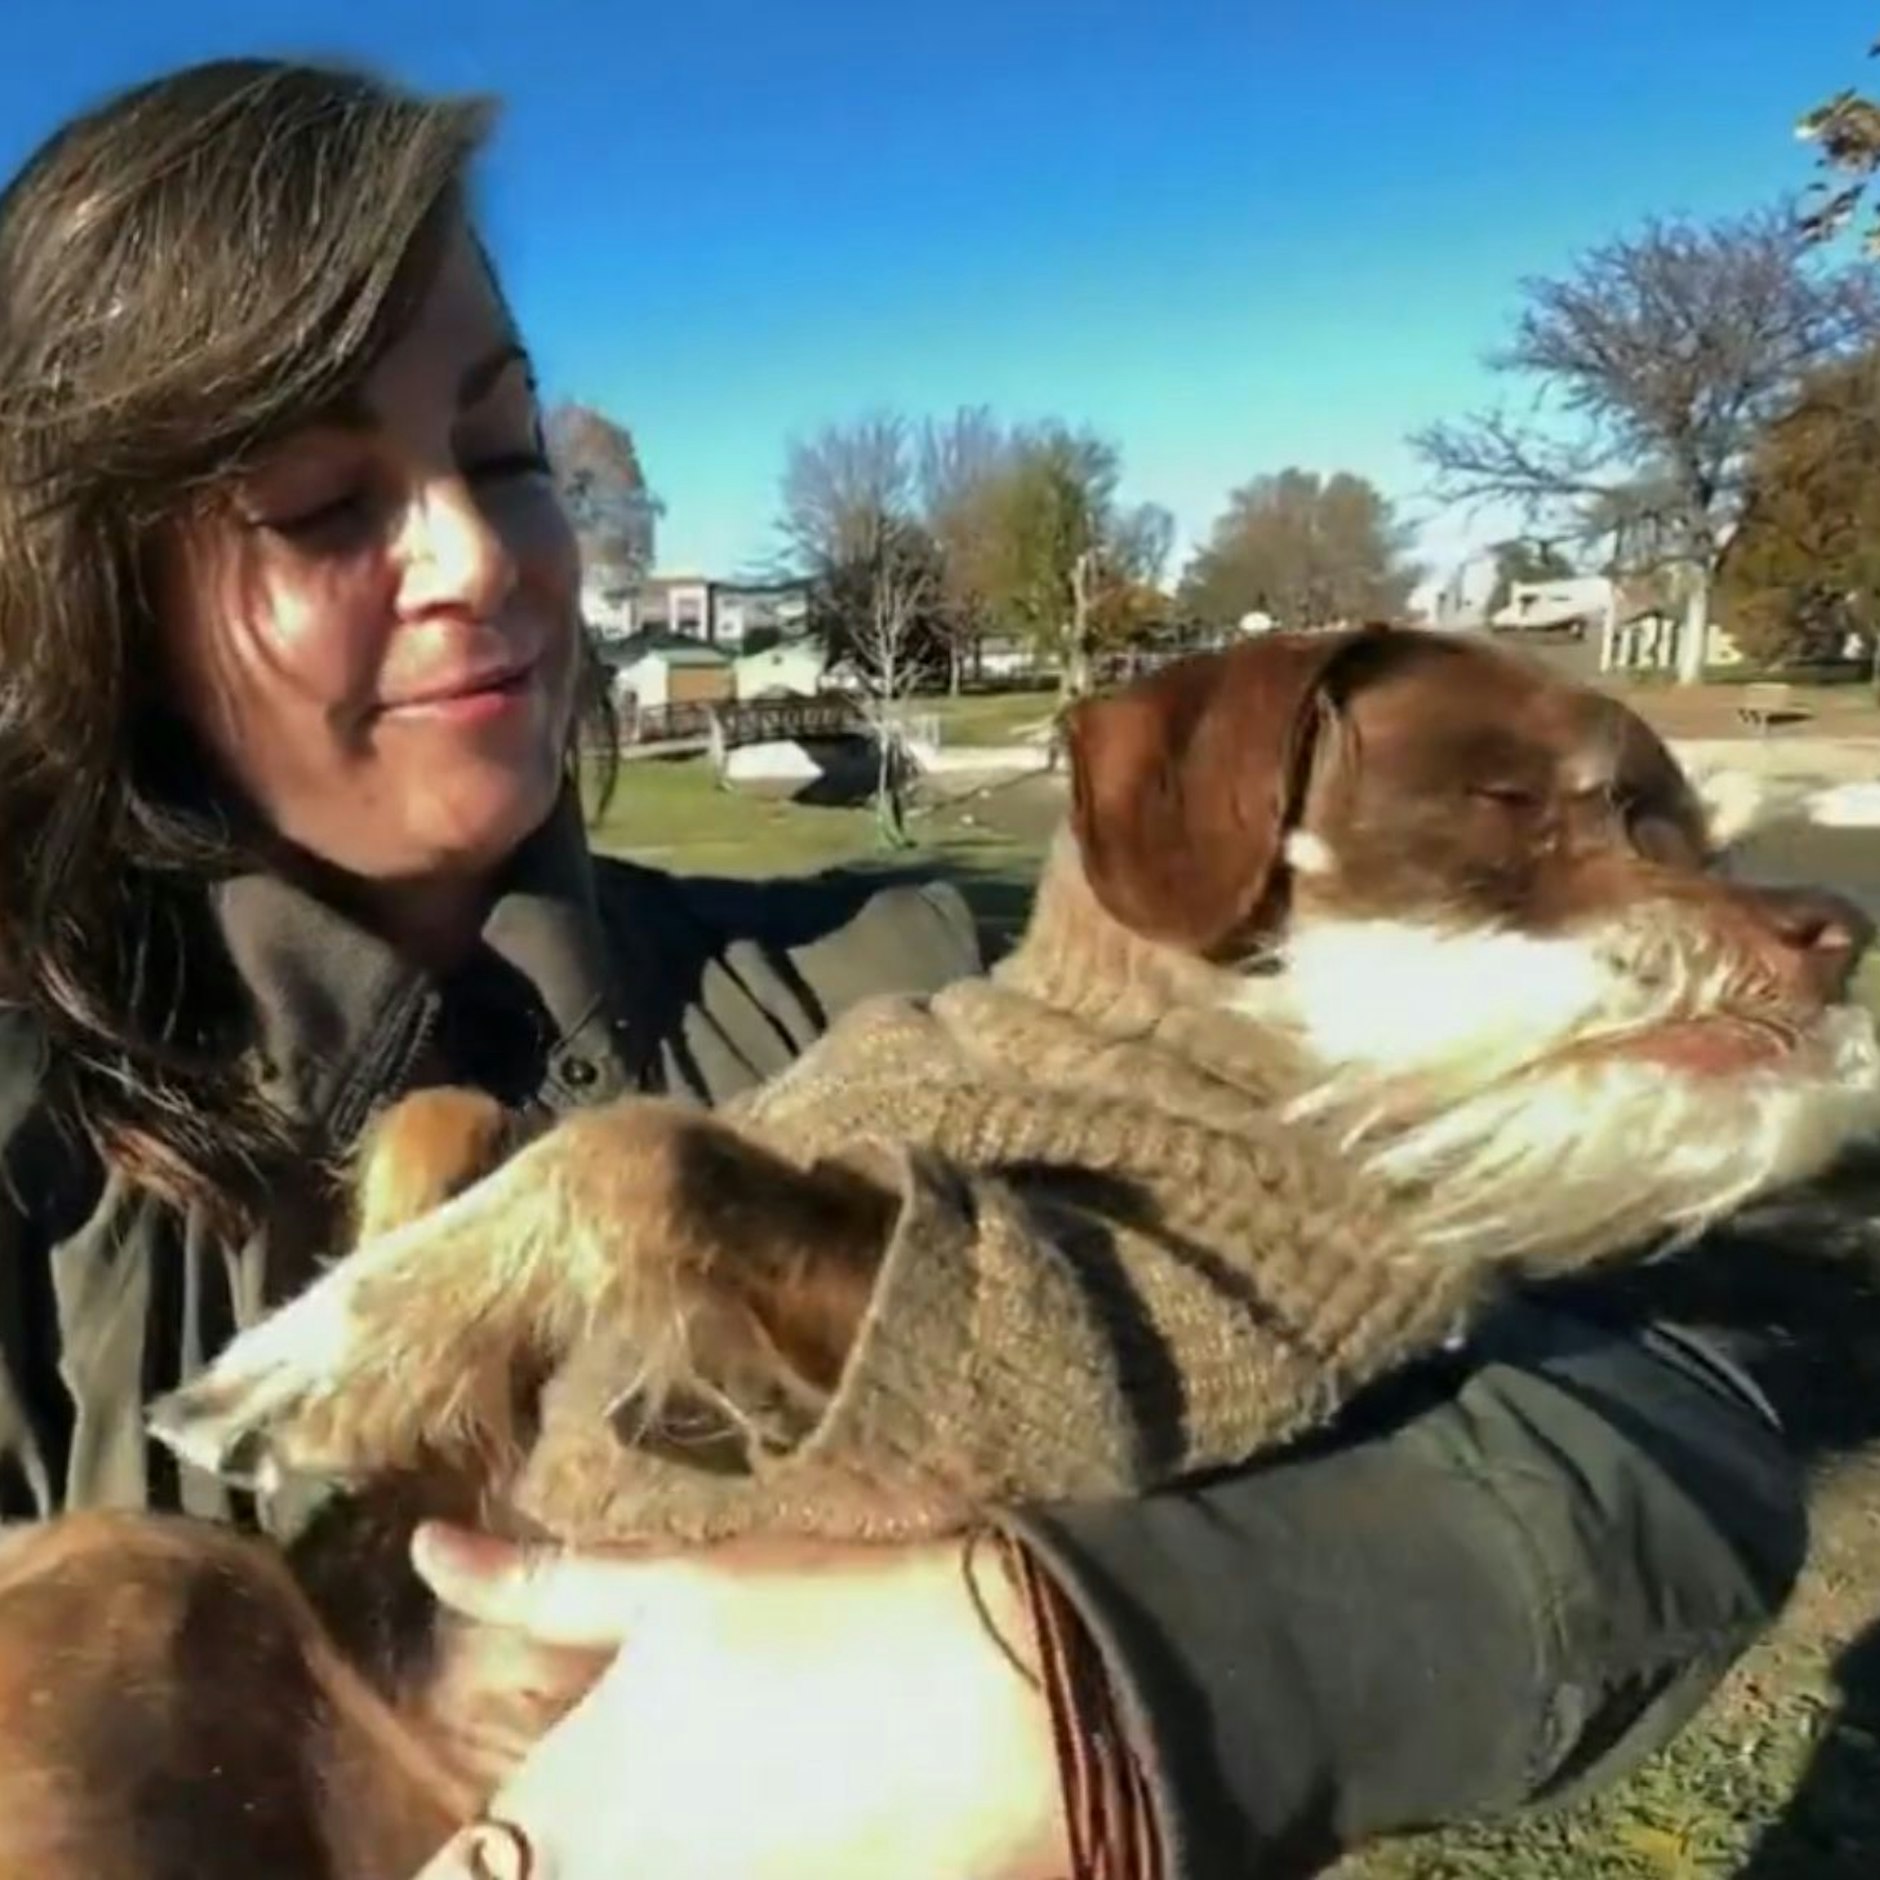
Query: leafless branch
x=1656 y=361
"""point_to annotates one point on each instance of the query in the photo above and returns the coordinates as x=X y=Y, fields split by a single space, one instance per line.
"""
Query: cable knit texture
x=1115 y=1264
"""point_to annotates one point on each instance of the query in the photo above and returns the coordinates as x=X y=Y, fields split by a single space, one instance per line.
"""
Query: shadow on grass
x=1001 y=905
x=999 y=893
x=1831 y=1827
x=1796 y=1282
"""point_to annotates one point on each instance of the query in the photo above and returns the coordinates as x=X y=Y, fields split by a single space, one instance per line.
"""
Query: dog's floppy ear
x=1184 y=784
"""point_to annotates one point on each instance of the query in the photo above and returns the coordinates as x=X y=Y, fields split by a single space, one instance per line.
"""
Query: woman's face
x=378 y=633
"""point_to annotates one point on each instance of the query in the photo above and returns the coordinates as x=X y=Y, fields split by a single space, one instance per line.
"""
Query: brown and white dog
x=1480 y=902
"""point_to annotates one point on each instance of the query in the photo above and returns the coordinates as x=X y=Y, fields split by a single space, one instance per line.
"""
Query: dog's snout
x=1818 y=937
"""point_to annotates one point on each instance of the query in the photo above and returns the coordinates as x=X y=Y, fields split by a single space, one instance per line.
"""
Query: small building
x=677 y=605
x=1579 y=604
x=694 y=607
x=739 y=612
x=1009 y=656
x=1648 y=627
x=654 y=672
x=790 y=669
x=1644 y=633
x=607 y=591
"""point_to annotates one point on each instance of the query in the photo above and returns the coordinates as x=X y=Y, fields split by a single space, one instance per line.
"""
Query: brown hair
x=186 y=272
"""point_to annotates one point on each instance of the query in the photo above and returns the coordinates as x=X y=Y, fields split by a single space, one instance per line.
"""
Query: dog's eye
x=1660 y=839
x=1507 y=795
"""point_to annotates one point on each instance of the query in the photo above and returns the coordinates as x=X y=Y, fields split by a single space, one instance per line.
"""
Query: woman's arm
x=1520 y=1587
x=1513 y=1588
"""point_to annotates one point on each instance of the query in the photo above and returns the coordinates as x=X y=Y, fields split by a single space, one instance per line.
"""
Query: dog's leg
x=422 y=1152
x=651 y=1220
x=424 y=1149
x=171 y=1710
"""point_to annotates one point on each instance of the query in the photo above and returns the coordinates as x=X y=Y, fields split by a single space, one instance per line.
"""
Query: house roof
x=1554 y=603
x=694 y=655
x=1642 y=598
x=787 y=649
x=1549 y=613
x=672 y=649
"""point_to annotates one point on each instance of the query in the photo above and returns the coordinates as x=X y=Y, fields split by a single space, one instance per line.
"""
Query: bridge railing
x=725 y=724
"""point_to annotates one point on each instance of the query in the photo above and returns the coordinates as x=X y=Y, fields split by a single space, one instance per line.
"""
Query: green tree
x=1310 y=550
x=1062 y=549
x=1802 y=575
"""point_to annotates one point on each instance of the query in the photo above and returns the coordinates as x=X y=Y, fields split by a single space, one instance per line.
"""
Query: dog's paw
x=246 y=1418
x=426 y=1148
x=359 y=1375
x=220 y=1431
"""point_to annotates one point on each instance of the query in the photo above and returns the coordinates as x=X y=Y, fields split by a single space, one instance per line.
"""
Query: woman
x=291 y=683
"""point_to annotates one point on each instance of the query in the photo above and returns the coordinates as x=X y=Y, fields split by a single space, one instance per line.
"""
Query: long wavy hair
x=188 y=271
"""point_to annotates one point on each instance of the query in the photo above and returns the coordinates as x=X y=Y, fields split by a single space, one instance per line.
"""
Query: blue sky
x=1232 y=237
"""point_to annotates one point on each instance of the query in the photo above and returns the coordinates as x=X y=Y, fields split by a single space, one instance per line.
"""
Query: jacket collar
x=343 y=1020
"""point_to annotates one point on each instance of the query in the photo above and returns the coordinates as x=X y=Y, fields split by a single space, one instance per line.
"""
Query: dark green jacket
x=1458 y=1605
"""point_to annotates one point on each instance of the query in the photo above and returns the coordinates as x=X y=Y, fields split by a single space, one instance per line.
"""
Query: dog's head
x=1483 y=902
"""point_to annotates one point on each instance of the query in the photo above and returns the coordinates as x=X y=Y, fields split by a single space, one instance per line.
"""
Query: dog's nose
x=1820 y=936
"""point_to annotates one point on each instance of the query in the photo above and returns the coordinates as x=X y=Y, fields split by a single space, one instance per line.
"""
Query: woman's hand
x=800 y=1712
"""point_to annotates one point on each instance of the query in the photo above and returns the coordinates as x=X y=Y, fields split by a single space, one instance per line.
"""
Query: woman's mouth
x=472 y=698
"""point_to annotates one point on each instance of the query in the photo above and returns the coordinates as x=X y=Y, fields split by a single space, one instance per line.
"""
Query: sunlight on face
x=377 y=636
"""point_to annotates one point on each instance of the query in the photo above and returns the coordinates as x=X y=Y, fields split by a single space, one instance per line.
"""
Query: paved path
x=1819 y=760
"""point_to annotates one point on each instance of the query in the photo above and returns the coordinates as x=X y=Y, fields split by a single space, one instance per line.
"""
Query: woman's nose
x=454 y=556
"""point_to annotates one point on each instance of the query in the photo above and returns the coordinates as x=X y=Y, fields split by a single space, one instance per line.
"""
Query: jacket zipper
x=388 y=1067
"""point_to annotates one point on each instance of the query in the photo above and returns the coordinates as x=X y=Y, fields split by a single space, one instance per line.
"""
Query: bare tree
x=963 y=462
x=850 y=523
x=977 y=525
x=1655 y=363
x=1311 y=551
x=1846 y=131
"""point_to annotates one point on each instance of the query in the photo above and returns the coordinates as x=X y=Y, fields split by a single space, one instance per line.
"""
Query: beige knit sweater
x=1115 y=1265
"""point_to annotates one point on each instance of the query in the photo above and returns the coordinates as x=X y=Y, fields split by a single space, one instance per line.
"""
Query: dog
x=1412 y=952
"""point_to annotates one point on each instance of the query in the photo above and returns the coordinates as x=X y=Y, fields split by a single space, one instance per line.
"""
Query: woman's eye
x=519 y=463
x=336 y=514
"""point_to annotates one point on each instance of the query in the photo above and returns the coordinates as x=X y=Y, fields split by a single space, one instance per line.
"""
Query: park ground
x=1779 y=1779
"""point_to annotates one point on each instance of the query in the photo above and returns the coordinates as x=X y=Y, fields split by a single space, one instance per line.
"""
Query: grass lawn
x=1780 y=1777
x=991 y=717
x=669 y=812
